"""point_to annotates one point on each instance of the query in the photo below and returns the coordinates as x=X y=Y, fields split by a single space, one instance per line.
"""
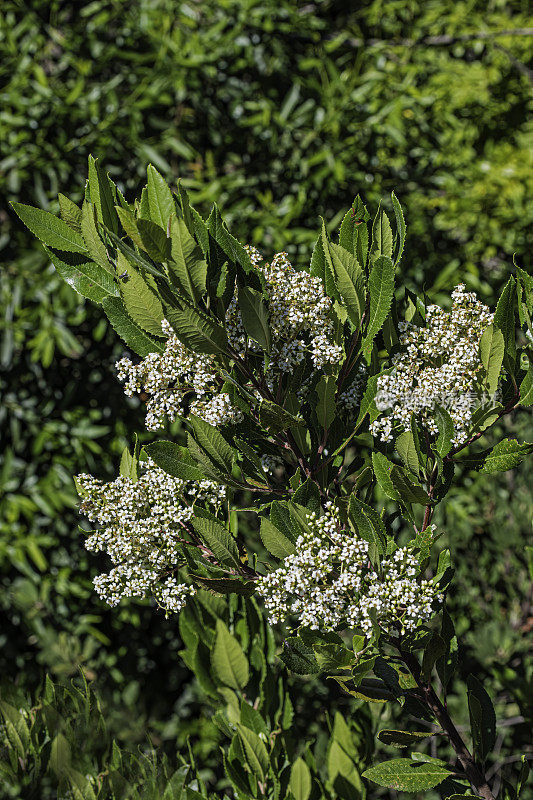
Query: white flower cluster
x=173 y=378
x=143 y=523
x=178 y=379
x=440 y=366
x=329 y=583
x=350 y=399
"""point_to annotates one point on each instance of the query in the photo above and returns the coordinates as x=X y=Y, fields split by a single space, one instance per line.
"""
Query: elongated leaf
x=197 y=330
x=503 y=456
x=443 y=445
x=326 y=409
x=135 y=338
x=482 y=718
x=254 y=313
x=300 y=780
x=299 y=658
x=400 y=227
x=281 y=517
x=102 y=196
x=383 y=470
x=402 y=738
x=274 y=540
x=368 y=405
x=349 y=278
x=217 y=537
x=154 y=239
x=142 y=304
x=212 y=441
x=255 y=752
x=187 y=263
x=381 y=237
x=128 y=465
x=70 y=213
x=60 y=755
x=129 y=223
x=274 y=418
x=492 y=349
x=160 y=200
x=175 y=460
x=86 y=277
x=229 y=244
x=407 y=488
x=93 y=243
x=526 y=387
x=229 y=663
x=504 y=318
x=405 y=775
x=407 y=450
x=308 y=496
x=51 y=230
x=368 y=523
x=381 y=290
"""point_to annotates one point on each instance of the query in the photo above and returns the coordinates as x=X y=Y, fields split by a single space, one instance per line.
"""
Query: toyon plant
x=326 y=413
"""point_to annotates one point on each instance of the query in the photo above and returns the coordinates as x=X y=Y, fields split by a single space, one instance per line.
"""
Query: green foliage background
x=281 y=112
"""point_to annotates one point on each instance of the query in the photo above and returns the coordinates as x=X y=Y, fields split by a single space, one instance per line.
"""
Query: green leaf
x=93 y=243
x=299 y=658
x=282 y=519
x=526 y=387
x=308 y=496
x=226 y=585
x=400 y=225
x=102 y=196
x=383 y=470
x=214 y=444
x=154 y=239
x=228 y=661
x=142 y=304
x=368 y=523
x=255 y=752
x=218 y=538
x=51 y=230
x=227 y=242
x=326 y=409
x=187 y=264
x=368 y=405
x=128 y=465
x=503 y=456
x=175 y=460
x=199 y=332
x=85 y=277
x=129 y=223
x=482 y=718
x=381 y=290
x=402 y=738
x=349 y=278
x=504 y=318
x=492 y=349
x=160 y=200
x=274 y=418
x=443 y=445
x=405 y=775
x=406 y=448
x=381 y=237
x=447 y=663
x=409 y=491
x=70 y=213
x=524 y=774
x=274 y=540
x=60 y=756
x=435 y=649
x=254 y=314
x=300 y=780
x=135 y=338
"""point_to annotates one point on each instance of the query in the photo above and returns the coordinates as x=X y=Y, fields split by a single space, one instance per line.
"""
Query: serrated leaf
x=70 y=213
x=503 y=456
x=102 y=196
x=60 y=756
x=492 y=349
x=85 y=277
x=93 y=243
x=134 y=336
x=154 y=239
x=129 y=223
x=406 y=448
x=402 y=738
x=504 y=318
x=51 y=230
x=255 y=316
x=212 y=441
x=199 y=332
x=255 y=752
x=300 y=780
x=408 y=490
x=160 y=200
x=383 y=470
x=228 y=661
x=274 y=418
x=381 y=291
x=326 y=409
x=274 y=540
x=218 y=538
x=443 y=445
x=187 y=263
x=175 y=460
x=368 y=523
x=405 y=775
x=349 y=278
x=299 y=658
x=142 y=304
x=400 y=227
x=308 y=496
x=281 y=517
x=381 y=237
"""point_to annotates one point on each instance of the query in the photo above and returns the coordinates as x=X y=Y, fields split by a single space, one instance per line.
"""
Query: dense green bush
x=278 y=111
